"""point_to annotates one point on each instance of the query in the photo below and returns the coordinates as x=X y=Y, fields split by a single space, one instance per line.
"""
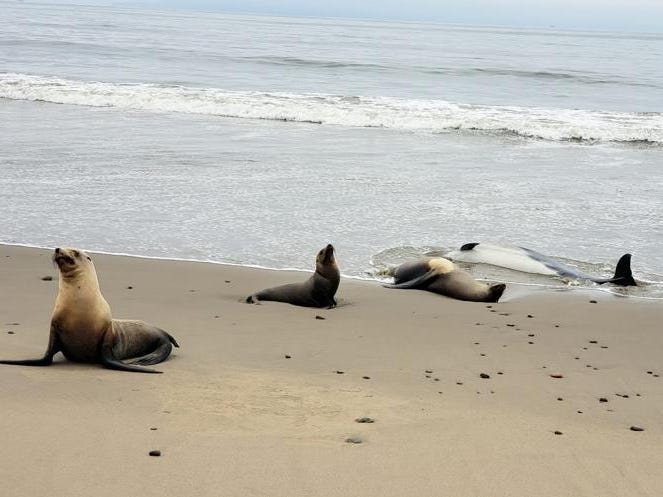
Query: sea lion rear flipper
x=160 y=354
x=416 y=282
x=47 y=360
x=107 y=360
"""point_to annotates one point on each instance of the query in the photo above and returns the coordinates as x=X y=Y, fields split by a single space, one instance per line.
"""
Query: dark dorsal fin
x=468 y=246
x=623 y=274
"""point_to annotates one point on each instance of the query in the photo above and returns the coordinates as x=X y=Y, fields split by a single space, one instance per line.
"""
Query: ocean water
x=257 y=140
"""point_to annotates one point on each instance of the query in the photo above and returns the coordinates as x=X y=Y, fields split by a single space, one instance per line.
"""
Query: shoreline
x=522 y=287
x=229 y=399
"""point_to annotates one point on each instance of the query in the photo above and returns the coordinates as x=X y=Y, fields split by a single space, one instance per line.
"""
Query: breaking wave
x=433 y=116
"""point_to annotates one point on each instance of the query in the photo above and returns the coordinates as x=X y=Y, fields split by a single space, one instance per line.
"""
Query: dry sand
x=235 y=417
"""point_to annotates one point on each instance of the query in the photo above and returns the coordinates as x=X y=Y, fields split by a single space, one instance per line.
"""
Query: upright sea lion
x=441 y=276
x=317 y=291
x=82 y=327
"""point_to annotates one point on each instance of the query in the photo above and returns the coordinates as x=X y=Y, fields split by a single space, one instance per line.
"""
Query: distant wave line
x=435 y=116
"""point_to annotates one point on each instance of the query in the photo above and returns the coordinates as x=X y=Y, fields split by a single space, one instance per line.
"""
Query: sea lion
x=441 y=276
x=530 y=261
x=84 y=331
x=317 y=291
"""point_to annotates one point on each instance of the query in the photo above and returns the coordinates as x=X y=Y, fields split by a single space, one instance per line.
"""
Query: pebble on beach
x=47 y=278
x=365 y=420
x=637 y=428
x=353 y=440
x=155 y=453
x=484 y=376
x=320 y=317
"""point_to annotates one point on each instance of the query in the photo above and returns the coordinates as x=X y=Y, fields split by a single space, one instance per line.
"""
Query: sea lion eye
x=89 y=258
x=76 y=253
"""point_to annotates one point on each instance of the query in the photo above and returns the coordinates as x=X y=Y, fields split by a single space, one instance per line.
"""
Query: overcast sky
x=629 y=15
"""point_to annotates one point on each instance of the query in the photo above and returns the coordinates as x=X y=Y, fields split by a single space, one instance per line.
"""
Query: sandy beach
x=260 y=400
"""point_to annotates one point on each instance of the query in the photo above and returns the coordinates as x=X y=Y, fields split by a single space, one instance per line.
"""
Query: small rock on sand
x=530 y=316
x=593 y=302
x=557 y=432
x=155 y=453
x=557 y=375
x=47 y=278
x=603 y=400
x=353 y=440
x=484 y=376
x=366 y=377
x=10 y=333
x=320 y=317
x=429 y=371
x=365 y=420
x=153 y=428
x=637 y=428
x=130 y=287
x=340 y=372
x=288 y=356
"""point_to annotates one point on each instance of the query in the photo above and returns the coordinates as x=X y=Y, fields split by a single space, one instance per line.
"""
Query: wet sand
x=235 y=417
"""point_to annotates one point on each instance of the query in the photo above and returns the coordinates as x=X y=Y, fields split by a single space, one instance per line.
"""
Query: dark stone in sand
x=505 y=314
x=604 y=346
x=484 y=376
x=500 y=372
x=155 y=453
x=227 y=281
x=493 y=310
x=478 y=324
x=476 y=343
x=557 y=432
x=637 y=428
x=560 y=398
x=13 y=324
x=603 y=399
x=288 y=356
x=577 y=358
x=365 y=420
x=216 y=317
x=531 y=335
x=531 y=343
x=588 y=366
x=579 y=412
x=429 y=371
x=153 y=428
x=650 y=372
x=556 y=326
x=427 y=376
x=593 y=302
x=366 y=377
x=637 y=395
x=10 y=333
x=489 y=307
x=130 y=288
x=47 y=278
x=511 y=325
x=459 y=383
x=353 y=440
x=593 y=341
x=557 y=375
x=436 y=379
x=320 y=317
x=340 y=372
x=530 y=316
x=482 y=355
x=655 y=376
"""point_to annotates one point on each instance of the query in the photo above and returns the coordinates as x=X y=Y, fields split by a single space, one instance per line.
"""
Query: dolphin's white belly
x=503 y=256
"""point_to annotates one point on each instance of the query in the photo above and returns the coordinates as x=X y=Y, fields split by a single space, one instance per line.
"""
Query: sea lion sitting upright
x=441 y=276
x=317 y=291
x=82 y=327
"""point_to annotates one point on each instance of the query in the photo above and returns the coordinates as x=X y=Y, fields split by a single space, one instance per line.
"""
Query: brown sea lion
x=441 y=276
x=82 y=327
x=317 y=291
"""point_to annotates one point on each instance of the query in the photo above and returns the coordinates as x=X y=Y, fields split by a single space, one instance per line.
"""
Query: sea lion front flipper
x=47 y=360
x=107 y=360
x=416 y=282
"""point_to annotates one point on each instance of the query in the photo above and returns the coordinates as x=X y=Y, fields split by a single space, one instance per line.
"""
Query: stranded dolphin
x=529 y=261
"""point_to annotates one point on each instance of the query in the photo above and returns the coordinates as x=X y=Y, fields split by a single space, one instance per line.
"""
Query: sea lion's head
x=71 y=261
x=325 y=263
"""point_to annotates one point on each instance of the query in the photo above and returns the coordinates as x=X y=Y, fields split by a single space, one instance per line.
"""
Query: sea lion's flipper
x=416 y=282
x=160 y=354
x=252 y=299
x=47 y=360
x=107 y=360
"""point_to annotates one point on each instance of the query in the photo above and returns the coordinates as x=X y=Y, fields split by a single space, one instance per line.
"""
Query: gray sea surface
x=256 y=140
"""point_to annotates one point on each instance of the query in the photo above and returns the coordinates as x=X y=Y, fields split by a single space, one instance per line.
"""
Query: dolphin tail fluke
x=623 y=274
